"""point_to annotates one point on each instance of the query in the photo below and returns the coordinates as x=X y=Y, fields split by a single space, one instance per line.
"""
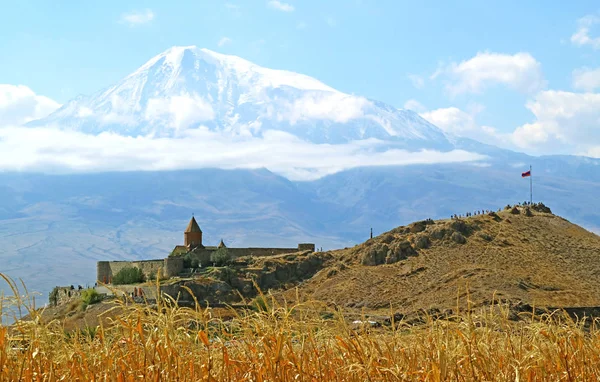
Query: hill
x=542 y=260
x=520 y=256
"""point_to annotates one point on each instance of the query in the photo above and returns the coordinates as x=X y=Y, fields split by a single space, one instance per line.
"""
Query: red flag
x=526 y=174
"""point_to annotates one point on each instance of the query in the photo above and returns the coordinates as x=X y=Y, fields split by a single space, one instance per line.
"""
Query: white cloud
x=415 y=106
x=462 y=123
x=531 y=135
x=119 y=114
x=280 y=6
x=334 y=106
x=582 y=36
x=19 y=104
x=451 y=120
x=49 y=149
x=137 y=17
x=520 y=71
x=417 y=81
x=224 y=41
x=179 y=112
x=565 y=122
x=586 y=79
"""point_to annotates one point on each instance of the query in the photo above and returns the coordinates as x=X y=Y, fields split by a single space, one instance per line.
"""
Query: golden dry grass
x=543 y=260
x=296 y=344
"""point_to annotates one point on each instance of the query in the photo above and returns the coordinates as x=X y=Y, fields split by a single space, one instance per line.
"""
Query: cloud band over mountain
x=50 y=149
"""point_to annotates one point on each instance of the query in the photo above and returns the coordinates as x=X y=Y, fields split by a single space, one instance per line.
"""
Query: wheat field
x=294 y=343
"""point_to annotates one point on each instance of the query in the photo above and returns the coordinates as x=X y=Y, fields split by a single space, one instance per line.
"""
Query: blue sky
x=471 y=67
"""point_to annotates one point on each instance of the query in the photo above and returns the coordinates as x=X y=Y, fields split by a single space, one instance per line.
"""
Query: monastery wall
x=173 y=265
x=107 y=269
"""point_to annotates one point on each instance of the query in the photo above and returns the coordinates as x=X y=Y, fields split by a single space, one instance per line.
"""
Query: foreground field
x=299 y=343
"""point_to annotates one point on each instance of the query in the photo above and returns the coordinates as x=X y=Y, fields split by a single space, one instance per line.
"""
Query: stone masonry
x=173 y=265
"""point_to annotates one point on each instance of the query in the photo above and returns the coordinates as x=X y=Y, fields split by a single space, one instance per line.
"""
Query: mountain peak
x=195 y=58
x=174 y=56
x=186 y=87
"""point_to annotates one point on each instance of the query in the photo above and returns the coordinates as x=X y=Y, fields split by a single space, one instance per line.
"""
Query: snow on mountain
x=187 y=87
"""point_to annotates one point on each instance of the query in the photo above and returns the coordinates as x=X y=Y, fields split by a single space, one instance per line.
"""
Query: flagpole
x=530 y=186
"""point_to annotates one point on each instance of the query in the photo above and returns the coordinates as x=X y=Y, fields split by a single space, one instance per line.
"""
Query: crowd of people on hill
x=469 y=214
x=535 y=206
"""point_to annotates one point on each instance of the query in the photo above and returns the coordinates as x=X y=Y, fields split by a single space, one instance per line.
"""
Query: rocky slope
x=523 y=255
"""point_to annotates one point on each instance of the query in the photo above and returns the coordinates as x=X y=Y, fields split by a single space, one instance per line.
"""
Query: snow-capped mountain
x=187 y=87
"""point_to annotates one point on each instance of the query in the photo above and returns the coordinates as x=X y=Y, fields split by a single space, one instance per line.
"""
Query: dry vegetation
x=298 y=343
x=542 y=260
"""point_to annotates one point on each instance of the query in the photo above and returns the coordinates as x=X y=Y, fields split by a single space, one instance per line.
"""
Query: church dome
x=193 y=226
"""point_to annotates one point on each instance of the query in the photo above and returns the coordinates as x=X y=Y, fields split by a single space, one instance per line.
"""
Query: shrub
x=226 y=274
x=220 y=257
x=485 y=236
x=417 y=227
x=89 y=297
x=438 y=233
x=128 y=275
x=187 y=260
x=457 y=237
x=387 y=238
x=153 y=275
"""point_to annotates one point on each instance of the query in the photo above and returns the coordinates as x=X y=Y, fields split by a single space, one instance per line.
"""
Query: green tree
x=128 y=275
x=89 y=297
x=220 y=257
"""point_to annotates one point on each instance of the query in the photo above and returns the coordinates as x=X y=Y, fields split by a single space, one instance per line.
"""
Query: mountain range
x=54 y=227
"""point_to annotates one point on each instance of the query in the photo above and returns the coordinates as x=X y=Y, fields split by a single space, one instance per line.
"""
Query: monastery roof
x=221 y=244
x=193 y=226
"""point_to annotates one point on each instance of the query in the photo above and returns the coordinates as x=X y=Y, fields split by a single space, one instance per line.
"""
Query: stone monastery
x=193 y=249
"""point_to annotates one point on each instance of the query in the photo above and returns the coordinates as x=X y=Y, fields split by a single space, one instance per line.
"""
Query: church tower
x=192 y=237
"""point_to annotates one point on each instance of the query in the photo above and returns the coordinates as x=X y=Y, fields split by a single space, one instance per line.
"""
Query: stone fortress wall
x=203 y=254
x=173 y=265
x=107 y=269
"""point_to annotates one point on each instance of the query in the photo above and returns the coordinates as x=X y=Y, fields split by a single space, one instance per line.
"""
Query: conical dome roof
x=221 y=244
x=193 y=226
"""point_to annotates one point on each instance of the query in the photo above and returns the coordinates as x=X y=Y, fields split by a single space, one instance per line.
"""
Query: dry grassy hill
x=521 y=255
x=518 y=255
